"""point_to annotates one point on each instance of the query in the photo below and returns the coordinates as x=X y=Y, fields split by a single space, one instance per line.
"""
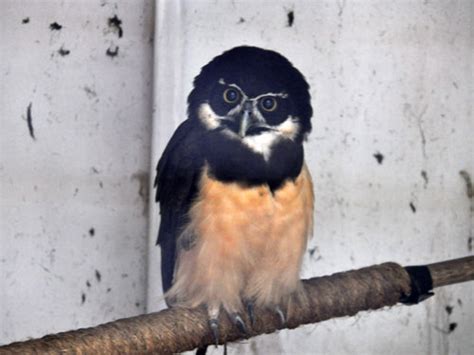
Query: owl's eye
x=231 y=96
x=268 y=103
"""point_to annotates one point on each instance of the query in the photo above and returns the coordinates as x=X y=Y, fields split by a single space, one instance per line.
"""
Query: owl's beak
x=245 y=121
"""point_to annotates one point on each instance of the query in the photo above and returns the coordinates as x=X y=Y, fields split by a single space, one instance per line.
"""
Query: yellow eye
x=269 y=103
x=231 y=96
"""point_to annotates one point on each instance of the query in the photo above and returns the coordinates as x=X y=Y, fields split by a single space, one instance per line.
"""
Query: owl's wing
x=176 y=183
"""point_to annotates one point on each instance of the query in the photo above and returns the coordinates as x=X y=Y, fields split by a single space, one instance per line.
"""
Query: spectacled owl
x=236 y=198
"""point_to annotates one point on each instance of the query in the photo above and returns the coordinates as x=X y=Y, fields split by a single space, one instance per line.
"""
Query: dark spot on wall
x=98 y=276
x=241 y=20
x=63 y=51
x=109 y=289
x=459 y=302
x=124 y=275
x=467 y=179
x=455 y=84
x=94 y=170
x=314 y=254
x=449 y=309
x=76 y=191
x=52 y=256
x=55 y=26
x=101 y=184
x=143 y=186
x=290 y=16
x=29 y=121
x=88 y=284
x=412 y=207
x=25 y=20
x=379 y=157
x=470 y=195
x=44 y=268
x=341 y=6
x=83 y=298
x=137 y=304
x=92 y=231
x=112 y=51
x=116 y=25
x=418 y=117
x=91 y=94
x=424 y=175
x=452 y=326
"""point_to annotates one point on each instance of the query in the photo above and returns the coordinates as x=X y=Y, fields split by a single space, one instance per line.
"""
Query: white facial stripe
x=235 y=110
x=289 y=128
x=258 y=115
x=261 y=143
x=208 y=116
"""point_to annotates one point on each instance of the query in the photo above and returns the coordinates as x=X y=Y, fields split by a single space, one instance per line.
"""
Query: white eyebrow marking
x=244 y=97
x=282 y=94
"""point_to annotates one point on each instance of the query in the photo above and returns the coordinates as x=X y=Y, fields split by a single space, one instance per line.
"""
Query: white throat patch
x=262 y=143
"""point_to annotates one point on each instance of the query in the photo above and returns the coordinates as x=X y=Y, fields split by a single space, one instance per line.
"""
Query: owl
x=235 y=195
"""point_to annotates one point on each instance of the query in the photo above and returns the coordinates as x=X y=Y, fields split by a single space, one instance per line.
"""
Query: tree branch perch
x=178 y=329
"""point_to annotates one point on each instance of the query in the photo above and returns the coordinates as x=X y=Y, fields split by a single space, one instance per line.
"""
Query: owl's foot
x=277 y=309
x=286 y=308
x=235 y=318
x=250 y=311
x=214 y=325
x=238 y=322
x=281 y=315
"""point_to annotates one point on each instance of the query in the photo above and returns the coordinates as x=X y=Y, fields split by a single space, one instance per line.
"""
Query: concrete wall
x=392 y=90
x=392 y=87
x=73 y=219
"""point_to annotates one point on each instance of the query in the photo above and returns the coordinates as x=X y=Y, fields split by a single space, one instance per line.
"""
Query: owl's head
x=253 y=95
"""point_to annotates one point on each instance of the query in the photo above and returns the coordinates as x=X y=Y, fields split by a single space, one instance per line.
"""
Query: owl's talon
x=250 y=312
x=214 y=325
x=281 y=315
x=239 y=323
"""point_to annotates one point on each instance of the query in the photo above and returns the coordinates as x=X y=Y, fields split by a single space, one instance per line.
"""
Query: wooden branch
x=178 y=329
x=452 y=271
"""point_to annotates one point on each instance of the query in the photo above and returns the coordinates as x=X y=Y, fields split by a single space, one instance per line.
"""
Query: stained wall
x=75 y=113
x=391 y=154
